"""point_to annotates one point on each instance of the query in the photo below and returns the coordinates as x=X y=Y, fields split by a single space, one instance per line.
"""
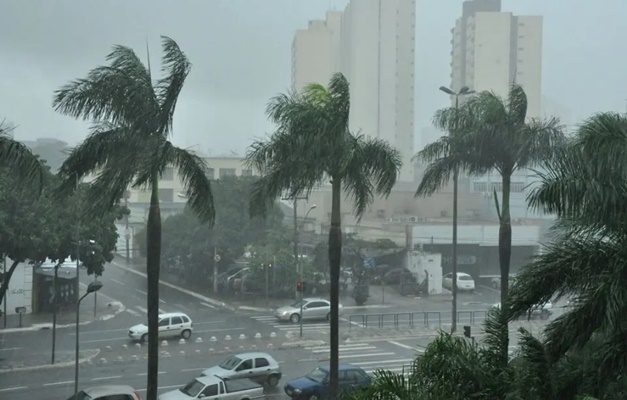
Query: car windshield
x=298 y=303
x=465 y=278
x=230 y=363
x=192 y=389
x=317 y=375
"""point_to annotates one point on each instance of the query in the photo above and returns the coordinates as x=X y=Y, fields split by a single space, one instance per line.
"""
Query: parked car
x=170 y=325
x=214 y=388
x=496 y=281
x=315 y=385
x=543 y=311
x=313 y=308
x=260 y=367
x=464 y=281
x=108 y=392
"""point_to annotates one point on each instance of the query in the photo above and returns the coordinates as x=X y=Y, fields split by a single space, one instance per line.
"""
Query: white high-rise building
x=492 y=49
x=373 y=44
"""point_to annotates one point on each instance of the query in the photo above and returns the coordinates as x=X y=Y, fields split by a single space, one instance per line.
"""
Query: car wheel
x=294 y=318
x=144 y=338
x=186 y=334
x=273 y=380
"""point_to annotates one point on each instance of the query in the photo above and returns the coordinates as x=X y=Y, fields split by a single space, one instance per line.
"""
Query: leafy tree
x=36 y=227
x=18 y=158
x=586 y=186
x=312 y=145
x=129 y=146
x=188 y=244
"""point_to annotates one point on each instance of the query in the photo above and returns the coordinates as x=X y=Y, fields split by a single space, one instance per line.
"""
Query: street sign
x=128 y=231
x=216 y=258
x=369 y=262
x=278 y=266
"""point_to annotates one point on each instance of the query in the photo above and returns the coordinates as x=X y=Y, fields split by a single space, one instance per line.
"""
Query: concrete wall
x=20 y=292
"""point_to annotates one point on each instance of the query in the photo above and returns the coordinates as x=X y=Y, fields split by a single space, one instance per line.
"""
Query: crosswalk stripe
x=304 y=325
x=142 y=309
x=342 y=346
x=401 y=361
x=367 y=355
x=133 y=312
x=350 y=349
x=264 y=318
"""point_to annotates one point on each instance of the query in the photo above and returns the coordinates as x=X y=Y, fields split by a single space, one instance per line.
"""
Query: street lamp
x=300 y=320
x=91 y=288
x=464 y=91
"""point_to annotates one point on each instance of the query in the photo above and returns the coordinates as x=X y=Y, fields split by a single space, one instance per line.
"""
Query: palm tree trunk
x=153 y=264
x=335 y=259
x=7 y=279
x=505 y=252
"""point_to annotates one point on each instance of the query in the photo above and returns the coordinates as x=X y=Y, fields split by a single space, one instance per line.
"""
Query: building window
x=166 y=195
x=479 y=187
x=517 y=187
x=211 y=173
x=224 y=172
x=247 y=172
x=167 y=174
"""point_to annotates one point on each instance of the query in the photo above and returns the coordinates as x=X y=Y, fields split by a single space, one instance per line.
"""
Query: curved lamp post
x=464 y=91
x=313 y=206
x=91 y=288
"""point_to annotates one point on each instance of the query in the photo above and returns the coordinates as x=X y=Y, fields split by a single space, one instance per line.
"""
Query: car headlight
x=285 y=313
x=297 y=391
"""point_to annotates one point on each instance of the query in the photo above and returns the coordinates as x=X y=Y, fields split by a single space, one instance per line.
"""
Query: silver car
x=259 y=367
x=313 y=308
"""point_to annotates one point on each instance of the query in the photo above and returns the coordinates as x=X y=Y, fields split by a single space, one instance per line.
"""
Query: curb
x=206 y=299
x=48 y=325
x=302 y=343
x=81 y=360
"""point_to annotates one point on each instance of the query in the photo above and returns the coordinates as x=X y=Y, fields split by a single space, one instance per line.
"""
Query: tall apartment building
x=490 y=50
x=373 y=44
x=493 y=48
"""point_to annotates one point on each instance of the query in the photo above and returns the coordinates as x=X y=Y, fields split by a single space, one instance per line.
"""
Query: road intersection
x=219 y=330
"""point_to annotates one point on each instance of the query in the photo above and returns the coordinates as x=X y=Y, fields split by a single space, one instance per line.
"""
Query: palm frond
x=538 y=372
x=437 y=175
x=176 y=66
x=20 y=160
x=517 y=104
x=496 y=338
x=120 y=93
x=193 y=172
x=539 y=142
x=603 y=138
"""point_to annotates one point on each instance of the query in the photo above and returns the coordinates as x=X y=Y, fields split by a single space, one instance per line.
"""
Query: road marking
x=13 y=388
x=163 y=301
x=220 y=330
x=342 y=346
x=133 y=312
x=142 y=309
x=193 y=369
x=58 y=383
x=368 y=355
x=207 y=305
x=116 y=281
x=11 y=348
x=146 y=373
x=142 y=292
x=405 y=346
x=490 y=288
x=349 y=349
x=105 y=340
x=402 y=360
x=102 y=378
x=161 y=388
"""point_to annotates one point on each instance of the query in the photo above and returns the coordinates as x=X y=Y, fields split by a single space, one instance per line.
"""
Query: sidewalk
x=106 y=309
x=40 y=361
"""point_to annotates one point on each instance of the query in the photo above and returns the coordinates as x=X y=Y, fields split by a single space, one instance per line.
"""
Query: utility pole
x=464 y=91
x=216 y=258
x=55 y=303
x=127 y=231
x=296 y=238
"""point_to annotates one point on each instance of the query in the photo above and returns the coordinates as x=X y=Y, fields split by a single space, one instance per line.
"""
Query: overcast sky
x=240 y=50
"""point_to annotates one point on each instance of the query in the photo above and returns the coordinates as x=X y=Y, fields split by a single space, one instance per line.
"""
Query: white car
x=108 y=392
x=464 y=281
x=170 y=325
x=544 y=311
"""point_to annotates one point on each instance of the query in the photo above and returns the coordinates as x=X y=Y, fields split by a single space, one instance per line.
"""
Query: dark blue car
x=315 y=385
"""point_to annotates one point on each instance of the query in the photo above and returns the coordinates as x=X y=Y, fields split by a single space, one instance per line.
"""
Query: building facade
x=492 y=48
x=372 y=42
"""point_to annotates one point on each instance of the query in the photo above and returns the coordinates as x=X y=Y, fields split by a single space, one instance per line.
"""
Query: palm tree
x=312 y=144
x=19 y=159
x=586 y=187
x=129 y=147
x=507 y=141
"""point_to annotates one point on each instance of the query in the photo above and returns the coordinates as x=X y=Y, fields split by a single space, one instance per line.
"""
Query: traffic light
x=299 y=287
x=303 y=287
x=467 y=331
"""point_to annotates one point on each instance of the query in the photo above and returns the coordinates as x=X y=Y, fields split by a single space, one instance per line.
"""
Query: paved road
x=177 y=369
